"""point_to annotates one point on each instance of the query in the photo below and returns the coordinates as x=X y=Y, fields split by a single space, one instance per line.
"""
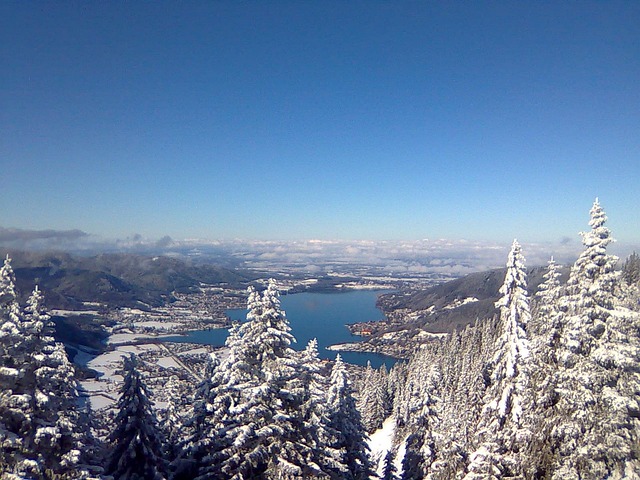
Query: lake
x=315 y=315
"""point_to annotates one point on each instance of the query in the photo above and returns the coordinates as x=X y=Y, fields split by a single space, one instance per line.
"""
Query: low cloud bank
x=419 y=257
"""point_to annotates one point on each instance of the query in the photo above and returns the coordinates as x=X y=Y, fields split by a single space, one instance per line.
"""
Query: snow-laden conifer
x=257 y=417
x=136 y=444
x=389 y=471
x=346 y=420
x=56 y=434
x=314 y=386
x=372 y=399
x=595 y=425
x=200 y=437
x=502 y=430
x=11 y=417
x=38 y=418
x=421 y=398
x=546 y=322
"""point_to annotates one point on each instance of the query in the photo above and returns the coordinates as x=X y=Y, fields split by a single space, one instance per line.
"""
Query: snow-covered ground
x=102 y=392
x=380 y=442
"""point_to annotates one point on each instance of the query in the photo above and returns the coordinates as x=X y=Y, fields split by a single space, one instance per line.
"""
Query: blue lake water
x=315 y=315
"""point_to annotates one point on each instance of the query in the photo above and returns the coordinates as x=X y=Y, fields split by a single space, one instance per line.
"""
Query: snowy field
x=103 y=391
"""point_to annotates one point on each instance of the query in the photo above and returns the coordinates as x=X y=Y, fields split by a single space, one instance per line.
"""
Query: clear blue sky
x=326 y=119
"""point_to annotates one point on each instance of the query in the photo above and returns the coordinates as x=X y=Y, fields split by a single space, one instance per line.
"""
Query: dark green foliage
x=389 y=471
x=631 y=269
x=135 y=441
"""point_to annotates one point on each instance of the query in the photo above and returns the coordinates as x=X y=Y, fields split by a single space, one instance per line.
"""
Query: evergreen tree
x=389 y=471
x=545 y=332
x=260 y=429
x=38 y=417
x=200 y=424
x=10 y=336
x=136 y=446
x=545 y=324
x=595 y=423
x=54 y=436
x=315 y=411
x=345 y=419
x=372 y=400
x=421 y=414
x=502 y=429
x=631 y=269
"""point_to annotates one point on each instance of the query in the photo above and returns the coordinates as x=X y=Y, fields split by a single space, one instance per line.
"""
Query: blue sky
x=329 y=119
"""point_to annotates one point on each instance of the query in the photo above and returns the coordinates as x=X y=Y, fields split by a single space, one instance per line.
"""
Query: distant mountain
x=114 y=279
x=453 y=305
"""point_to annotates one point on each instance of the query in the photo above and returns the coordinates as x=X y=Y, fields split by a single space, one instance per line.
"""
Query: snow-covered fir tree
x=420 y=414
x=502 y=431
x=389 y=471
x=136 y=443
x=55 y=435
x=198 y=435
x=315 y=412
x=345 y=419
x=631 y=269
x=596 y=429
x=372 y=401
x=259 y=418
x=39 y=421
x=9 y=372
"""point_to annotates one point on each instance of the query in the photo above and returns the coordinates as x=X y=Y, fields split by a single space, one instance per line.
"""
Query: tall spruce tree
x=136 y=444
x=10 y=336
x=315 y=412
x=260 y=425
x=38 y=416
x=54 y=435
x=596 y=430
x=421 y=398
x=372 y=399
x=545 y=332
x=345 y=419
x=502 y=429
x=389 y=470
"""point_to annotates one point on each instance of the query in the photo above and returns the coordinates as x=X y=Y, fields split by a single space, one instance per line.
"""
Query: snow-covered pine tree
x=422 y=417
x=502 y=430
x=631 y=269
x=257 y=408
x=174 y=418
x=315 y=412
x=544 y=333
x=200 y=435
x=596 y=429
x=346 y=420
x=389 y=472
x=38 y=416
x=545 y=323
x=10 y=335
x=136 y=444
x=54 y=438
x=372 y=402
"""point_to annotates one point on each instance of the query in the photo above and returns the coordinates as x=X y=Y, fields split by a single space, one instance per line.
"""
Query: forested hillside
x=115 y=280
x=548 y=388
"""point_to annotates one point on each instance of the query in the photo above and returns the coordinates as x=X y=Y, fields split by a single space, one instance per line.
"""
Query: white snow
x=102 y=392
x=168 y=362
x=119 y=338
x=380 y=442
x=70 y=313
x=195 y=351
x=158 y=325
x=458 y=303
